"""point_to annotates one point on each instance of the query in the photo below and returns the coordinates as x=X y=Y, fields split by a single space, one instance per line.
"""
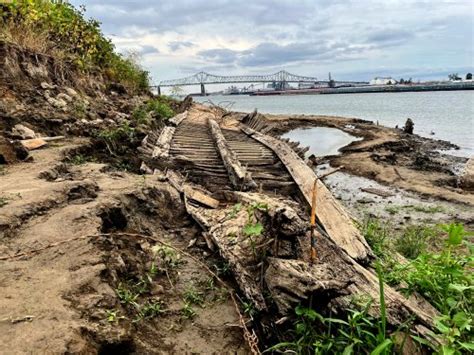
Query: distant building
x=378 y=80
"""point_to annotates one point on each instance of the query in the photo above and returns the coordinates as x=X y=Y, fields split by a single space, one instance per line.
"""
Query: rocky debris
x=23 y=132
x=46 y=86
x=467 y=178
x=71 y=92
x=11 y=152
x=64 y=97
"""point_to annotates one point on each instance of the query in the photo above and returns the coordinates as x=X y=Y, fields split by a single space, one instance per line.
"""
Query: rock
x=45 y=85
x=64 y=97
x=70 y=92
x=11 y=152
x=157 y=289
x=23 y=131
x=58 y=103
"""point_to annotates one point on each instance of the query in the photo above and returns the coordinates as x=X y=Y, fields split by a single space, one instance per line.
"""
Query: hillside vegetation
x=58 y=29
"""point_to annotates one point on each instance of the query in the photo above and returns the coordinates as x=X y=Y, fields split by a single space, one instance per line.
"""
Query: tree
x=469 y=76
x=402 y=81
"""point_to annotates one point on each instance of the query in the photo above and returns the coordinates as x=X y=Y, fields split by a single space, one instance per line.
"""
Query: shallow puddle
x=321 y=141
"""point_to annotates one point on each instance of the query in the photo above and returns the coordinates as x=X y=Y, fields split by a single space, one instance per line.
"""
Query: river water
x=449 y=114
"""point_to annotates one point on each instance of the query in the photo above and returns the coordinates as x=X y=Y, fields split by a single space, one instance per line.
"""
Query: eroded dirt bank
x=91 y=288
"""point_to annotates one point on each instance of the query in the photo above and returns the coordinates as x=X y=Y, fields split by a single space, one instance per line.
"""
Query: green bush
x=160 y=108
x=80 y=39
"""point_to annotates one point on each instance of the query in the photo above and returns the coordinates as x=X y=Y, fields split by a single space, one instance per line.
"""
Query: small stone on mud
x=157 y=289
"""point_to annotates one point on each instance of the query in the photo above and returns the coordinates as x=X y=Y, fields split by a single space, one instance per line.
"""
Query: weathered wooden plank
x=335 y=220
x=176 y=120
x=239 y=177
x=200 y=197
x=163 y=144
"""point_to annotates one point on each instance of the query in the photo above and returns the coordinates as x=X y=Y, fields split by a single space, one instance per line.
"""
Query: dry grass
x=32 y=40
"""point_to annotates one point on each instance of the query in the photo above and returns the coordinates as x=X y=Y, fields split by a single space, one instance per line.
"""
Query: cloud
x=144 y=50
x=307 y=35
x=390 y=36
x=177 y=45
x=272 y=54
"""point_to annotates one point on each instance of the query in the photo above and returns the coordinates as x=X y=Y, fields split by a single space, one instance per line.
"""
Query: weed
x=187 y=311
x=377 y=235
x=413 y=241
x=393 y=209
x=126 y=296
x=140 y=115
x=235 y=209
x=115 y=137
x=193 y=296
x=79 y=159
x=445 y=279
x=359 y=333
x=3 y=201
x=222 y=268
x=80 y=109
x=428 y=209
x=150 y=310
x=160 y=108
x=113 y=316
x=170 y=259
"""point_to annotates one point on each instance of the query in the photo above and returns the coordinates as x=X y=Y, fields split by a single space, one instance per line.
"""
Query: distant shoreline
x=370 y=89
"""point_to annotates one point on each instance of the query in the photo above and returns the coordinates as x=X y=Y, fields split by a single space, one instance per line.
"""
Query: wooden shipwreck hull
x=246 y=177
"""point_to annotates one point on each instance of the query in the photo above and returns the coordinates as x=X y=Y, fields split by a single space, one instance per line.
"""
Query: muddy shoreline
x=421 y=184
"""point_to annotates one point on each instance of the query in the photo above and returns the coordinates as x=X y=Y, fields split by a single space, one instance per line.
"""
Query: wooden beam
x=176 y=120
x=332 y=216
x=239 y=177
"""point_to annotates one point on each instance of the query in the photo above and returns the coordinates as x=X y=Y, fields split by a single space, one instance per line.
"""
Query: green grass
x=3 y=201
x=417 y=208
x=444 y=277
x=193 y=296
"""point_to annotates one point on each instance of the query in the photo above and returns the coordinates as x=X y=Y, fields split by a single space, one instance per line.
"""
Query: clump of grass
x=113 y=316
x=188 y=311
x=443 y=277
x=79 y=159
x=193 y=296
x=3 y=201
x=414 y=240
x=377 y=235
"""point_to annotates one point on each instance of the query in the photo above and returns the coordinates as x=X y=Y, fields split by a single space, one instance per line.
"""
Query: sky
x=354 y=40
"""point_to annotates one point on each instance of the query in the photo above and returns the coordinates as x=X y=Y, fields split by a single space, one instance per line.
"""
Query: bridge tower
x=203 y=90
x=159 y=90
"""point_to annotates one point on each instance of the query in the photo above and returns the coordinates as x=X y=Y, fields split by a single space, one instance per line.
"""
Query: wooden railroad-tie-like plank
x=239 y=177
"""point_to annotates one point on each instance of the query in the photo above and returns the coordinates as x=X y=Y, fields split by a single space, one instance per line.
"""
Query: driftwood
x=329 y=212
x=378 y=192
x=238 y=176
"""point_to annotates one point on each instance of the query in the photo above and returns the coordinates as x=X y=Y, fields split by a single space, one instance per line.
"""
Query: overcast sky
x=355 y=40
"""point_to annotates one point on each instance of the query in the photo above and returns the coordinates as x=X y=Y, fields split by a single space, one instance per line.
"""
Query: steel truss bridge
x=279 y=78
